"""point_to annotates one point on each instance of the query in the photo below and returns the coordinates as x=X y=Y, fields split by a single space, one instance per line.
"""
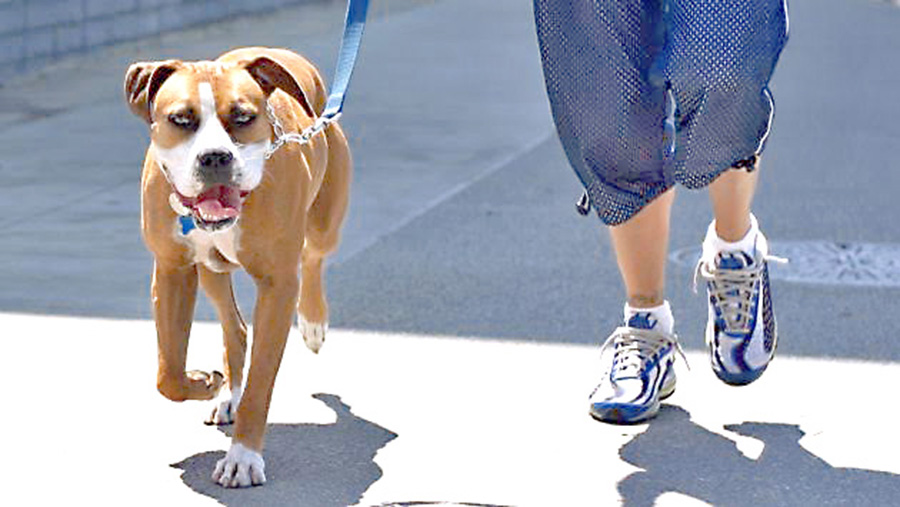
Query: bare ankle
x=648 y=300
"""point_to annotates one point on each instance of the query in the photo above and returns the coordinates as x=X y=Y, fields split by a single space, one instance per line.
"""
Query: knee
x=279 y=283
x=724 y=69
x=716 y=75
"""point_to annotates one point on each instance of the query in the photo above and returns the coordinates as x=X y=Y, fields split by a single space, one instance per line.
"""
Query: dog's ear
x=143 y=80
x=270 y=75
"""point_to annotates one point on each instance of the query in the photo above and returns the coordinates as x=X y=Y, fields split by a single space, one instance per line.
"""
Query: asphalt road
x=462 y=221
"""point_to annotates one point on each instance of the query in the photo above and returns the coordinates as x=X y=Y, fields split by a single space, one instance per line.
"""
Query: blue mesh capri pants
x=649 y=93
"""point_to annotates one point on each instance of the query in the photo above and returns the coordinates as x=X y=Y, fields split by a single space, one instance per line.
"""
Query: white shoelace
x=633 y=347
x=734 y=289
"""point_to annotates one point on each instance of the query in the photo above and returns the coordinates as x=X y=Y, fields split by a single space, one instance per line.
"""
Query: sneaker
x=639 y=372
x=740 y=332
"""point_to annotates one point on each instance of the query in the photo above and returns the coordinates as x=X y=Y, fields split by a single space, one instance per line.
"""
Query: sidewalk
x=467 y=298
x=408 y=418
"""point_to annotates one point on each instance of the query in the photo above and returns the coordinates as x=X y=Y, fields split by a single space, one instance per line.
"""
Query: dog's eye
x=183 y=120
x=242 y=118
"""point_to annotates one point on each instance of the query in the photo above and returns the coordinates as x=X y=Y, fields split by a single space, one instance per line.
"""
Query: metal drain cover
x=825 y=262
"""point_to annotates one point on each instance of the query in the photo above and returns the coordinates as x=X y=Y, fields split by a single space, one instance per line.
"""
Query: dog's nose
x=216 y=159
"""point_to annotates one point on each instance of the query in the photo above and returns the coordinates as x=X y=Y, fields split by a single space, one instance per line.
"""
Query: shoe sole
x=617 y=413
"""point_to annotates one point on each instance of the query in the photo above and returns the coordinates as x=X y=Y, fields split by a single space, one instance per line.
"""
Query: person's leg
x=723 y=54
x=731 y=196
x=608 y=96
x=640 y=353
x=740 y=330
x=641 y=245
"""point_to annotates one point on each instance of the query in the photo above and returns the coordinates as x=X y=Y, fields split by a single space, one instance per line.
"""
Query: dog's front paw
x=225 y=409
x=202 y=385
x=313 y=333
x=240 y=468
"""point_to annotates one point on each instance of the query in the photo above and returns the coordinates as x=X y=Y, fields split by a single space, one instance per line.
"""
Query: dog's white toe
x=240 y=468
x=225 y=409
x=313 y=333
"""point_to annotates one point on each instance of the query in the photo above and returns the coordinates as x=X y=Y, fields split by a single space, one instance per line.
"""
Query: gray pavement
x=462 y=224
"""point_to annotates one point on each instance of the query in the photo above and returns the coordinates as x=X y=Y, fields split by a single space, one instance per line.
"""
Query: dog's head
x=209 y=129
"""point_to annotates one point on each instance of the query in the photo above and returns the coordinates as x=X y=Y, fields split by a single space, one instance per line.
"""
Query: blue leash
x=353 y=31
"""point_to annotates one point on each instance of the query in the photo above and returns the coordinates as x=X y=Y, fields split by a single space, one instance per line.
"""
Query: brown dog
x=212 y=202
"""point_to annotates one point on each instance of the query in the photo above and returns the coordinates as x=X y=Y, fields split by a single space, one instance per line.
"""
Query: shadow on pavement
x=306 y=464
x=680 y=456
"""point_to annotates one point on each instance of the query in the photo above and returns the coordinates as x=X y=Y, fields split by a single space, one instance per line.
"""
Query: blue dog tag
x=187 y=224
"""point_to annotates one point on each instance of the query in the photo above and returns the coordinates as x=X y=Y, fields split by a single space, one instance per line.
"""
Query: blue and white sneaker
x=639 y=372
x=741 y=332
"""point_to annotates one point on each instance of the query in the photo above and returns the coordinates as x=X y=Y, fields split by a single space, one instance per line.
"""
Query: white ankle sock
x=746 y=244
x=662 y=313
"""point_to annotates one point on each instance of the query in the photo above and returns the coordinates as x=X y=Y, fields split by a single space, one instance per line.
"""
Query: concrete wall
x=35 y=32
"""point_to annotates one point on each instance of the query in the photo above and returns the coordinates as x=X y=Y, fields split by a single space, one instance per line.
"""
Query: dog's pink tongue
x=219 y=203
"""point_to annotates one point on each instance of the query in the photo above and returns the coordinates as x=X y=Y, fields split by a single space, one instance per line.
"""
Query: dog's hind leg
x=219 y=289
x=174 y=293
x=323 y=233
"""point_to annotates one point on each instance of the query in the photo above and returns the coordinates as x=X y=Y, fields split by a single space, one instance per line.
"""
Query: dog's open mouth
x=216 y=208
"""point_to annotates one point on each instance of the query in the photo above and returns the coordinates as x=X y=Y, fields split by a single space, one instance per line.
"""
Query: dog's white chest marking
x=215 y=250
